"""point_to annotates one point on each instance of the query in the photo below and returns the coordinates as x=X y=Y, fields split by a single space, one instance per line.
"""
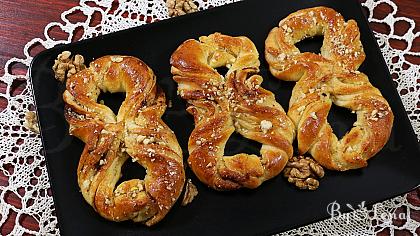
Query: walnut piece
x=190 y=193
x=65 y=65
x=180 y=7
x=266 y=125
x=303 y=172
x=31 y=121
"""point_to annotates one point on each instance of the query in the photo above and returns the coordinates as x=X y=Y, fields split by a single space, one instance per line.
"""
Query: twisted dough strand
x=137 y=131
x=224 y=104
x=341 y=44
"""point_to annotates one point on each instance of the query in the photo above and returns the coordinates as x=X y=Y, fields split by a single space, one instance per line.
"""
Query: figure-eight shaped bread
x=137 y=131
x=325 y=79
x=222 y=104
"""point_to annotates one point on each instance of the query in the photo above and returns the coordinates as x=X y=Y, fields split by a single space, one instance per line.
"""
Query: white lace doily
x=22 y=163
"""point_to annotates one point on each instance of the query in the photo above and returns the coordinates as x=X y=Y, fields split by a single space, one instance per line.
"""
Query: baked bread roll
x=328 y=78
x=136 y=132
x=222 y=104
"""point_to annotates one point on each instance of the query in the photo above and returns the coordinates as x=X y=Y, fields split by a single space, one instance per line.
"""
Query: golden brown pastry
x=136 y=132
x=330 y=77
x=224 y=104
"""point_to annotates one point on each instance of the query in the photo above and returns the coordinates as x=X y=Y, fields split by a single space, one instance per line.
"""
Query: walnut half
x=180 y=7
x=303 y=172
x=66 y=66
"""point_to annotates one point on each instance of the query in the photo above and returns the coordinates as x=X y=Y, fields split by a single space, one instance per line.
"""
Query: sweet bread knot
x=223 y=104
x=136 y=132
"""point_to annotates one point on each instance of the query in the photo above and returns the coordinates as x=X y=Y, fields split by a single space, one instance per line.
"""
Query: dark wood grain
x=23 y=20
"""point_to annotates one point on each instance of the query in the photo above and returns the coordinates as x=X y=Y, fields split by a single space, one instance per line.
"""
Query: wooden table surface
x=23 y=20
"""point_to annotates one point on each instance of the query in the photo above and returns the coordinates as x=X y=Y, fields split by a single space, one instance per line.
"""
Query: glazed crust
x=222 y=105
x=328 y=78
x=137 y=131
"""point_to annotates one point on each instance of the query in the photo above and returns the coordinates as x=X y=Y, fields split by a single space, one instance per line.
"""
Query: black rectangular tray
x=276 y=205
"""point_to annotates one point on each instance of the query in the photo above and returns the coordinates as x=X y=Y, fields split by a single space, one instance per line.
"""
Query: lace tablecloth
x=21 y=159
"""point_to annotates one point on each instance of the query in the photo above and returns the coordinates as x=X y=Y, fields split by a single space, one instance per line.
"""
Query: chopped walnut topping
x=117 y=59
x=140 y=138
x=102 y=162
x=66 y=66
x=301 y=108
x=282 y=56
x=382 y=114
x=140 y=187
x=266 y=125
x=374 y=112
x=375 y=115
x=303 y=172
x=287 y=28
x=86 y=184
x=107 y=201
x=302 y=95
x=313 y=115
x=180 y=7
x=31 y=122
x=104 y=131
x=134 y=189
x=349 y=149
x=148 y=140
x=190 y=193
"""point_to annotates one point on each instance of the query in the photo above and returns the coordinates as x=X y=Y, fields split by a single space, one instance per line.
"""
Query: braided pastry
x=325 y=79
x=222 y=104
x=137 y=131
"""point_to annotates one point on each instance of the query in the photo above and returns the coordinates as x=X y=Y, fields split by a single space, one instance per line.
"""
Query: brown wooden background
x=23 y=20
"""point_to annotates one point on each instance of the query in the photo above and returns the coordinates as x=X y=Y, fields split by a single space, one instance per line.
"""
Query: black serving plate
x=276 y=205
